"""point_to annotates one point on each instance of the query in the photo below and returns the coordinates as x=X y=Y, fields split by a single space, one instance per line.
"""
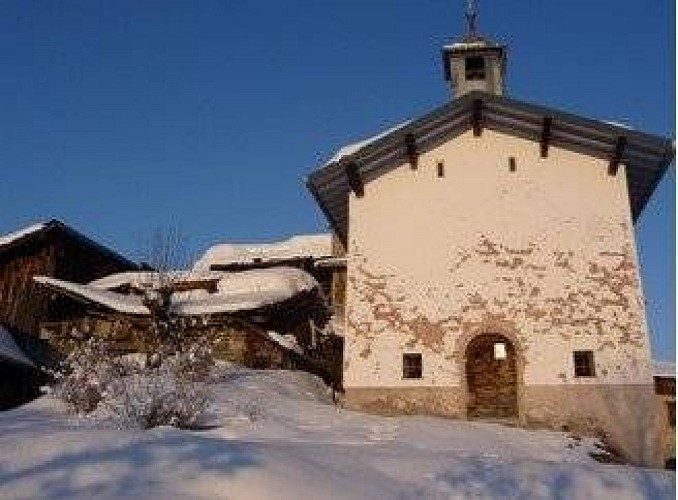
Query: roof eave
x=597 y=138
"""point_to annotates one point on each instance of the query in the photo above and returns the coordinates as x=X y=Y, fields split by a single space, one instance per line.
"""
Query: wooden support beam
x=545 y=137
x=355 y=181
x=617 y=156
x=477 y=117
x=411 y=151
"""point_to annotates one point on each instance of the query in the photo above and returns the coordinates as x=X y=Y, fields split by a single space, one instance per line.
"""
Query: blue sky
x=122 y=117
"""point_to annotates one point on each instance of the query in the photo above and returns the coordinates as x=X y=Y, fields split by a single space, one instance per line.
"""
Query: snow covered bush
x=157 y=396
x=83 y=377
x=195 y=362
x=135 y=394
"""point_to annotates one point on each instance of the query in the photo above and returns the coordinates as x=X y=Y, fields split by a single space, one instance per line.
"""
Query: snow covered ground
x=277 y=435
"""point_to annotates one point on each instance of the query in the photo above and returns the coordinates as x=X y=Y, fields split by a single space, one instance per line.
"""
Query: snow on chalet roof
x=287 y=341
x=128 y=304
x=8 y=238
x=236 y=291
x=663 y=369
x=9 y=349
x=149 y=279
x=308 y=245
x=246 y=290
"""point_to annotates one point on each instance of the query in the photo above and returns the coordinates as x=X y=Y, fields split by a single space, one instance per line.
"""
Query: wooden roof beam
x=477 y=117
x=617 y=156
x=545 y=137
x=411 y=151
x=355 y=181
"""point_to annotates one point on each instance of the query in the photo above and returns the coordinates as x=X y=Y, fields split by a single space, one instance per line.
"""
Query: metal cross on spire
x=471 y=16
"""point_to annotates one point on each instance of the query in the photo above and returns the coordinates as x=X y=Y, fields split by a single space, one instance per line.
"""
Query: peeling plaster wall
x=544 y=255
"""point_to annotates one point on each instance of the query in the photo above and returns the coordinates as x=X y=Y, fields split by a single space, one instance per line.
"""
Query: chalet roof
x=236 y=291
x=10 y=351
x=31 y=233
x=302 y=246
x=17 y=235
x=646 y=156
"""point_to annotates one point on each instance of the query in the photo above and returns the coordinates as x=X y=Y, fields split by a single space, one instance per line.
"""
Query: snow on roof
x=149 y=279
x=246 y=290
x=236 y=291
x=15 y=235
x=9 y=349
x=477 y=44
x=287 y=341
x=663 y=369
x=351 y=149
x=300 y=246
x=619 y=124
x=129 y=304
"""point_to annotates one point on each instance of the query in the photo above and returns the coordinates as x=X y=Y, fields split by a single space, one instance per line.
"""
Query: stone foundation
x=627 y=417
x=440 y=401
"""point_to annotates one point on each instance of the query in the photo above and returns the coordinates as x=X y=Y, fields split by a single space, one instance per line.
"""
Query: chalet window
x=512 y=164
x=441 y=169
x=583 y=364
x=412 y=365
x=475 y=68
x=671 y=413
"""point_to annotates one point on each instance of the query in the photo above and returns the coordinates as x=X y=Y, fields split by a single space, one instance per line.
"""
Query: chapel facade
x=492 y=269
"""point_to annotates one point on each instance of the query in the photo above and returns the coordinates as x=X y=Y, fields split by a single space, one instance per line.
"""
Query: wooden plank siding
x=56 y=251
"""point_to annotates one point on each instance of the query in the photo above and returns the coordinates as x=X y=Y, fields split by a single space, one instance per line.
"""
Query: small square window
x=584 y=365
x=475 y=68
x=412 y=365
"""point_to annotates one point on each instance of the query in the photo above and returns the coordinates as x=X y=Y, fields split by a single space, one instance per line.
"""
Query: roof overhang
x=646 y=156
x=57 y=225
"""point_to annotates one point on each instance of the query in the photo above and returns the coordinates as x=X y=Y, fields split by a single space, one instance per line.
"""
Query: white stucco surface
x=545 y=255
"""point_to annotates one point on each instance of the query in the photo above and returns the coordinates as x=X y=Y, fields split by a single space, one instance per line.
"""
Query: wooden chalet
x=260 y=318
x=321 y=255
x=49 y=249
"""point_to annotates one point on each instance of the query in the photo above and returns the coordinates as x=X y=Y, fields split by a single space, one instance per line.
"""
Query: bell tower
x=474 y=62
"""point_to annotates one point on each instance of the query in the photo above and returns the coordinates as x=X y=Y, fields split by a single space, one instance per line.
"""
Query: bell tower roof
x=474 y=62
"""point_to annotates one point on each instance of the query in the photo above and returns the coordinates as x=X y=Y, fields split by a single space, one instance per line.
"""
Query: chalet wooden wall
x=55 y=251
x=22 y=303
x=233 y=340
x=236 y=342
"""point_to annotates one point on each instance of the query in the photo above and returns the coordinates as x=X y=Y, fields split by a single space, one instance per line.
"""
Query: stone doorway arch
x=491 y=377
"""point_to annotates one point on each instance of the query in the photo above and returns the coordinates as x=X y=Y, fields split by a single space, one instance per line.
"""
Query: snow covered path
x=276 y=435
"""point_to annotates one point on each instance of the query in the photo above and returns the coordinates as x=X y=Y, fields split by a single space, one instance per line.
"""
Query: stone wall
x=440 y=401
x=626 y=417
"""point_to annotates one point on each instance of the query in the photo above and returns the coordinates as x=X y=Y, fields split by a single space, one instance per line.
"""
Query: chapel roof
x=646 y=156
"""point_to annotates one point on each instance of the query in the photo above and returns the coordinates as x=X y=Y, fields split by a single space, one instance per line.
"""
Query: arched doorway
x=491 y=377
